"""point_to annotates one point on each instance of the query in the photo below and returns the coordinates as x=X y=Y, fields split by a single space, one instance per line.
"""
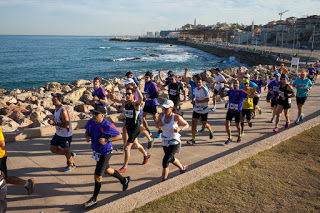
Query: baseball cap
x=302 y=73
x=245 y=81
x=277 y=75
x=282 y=64
x=246 y=75
x=128 y=81
x=58 y=95
x=284 y=76
x=149 y=73
x=128 y=73
x=270 y=74
x=168 y=104
x=99 y=109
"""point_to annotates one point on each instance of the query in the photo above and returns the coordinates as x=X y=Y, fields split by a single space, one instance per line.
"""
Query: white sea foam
x=105 y=47
x=160 y=57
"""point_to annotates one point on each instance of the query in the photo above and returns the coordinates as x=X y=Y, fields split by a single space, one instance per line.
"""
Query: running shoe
x=150 y=143
x=228 y=141
x=184 y=169
x=287 y=124
x=91 y=202
x=272 y=120
x=159 y=135
x=191 y=142
x=143 y=136
x=260 y=112
x=250 y=124
x=301 y=117
x=145 y=158
x=73 y=154
x=70 y=167
x=239 y=139
x=226 y=104
x=30 y=187
x=242 y=133
x=202 y=129
x=276 y=129
x=126 y=183
x=211 y=134
x=253 y=117
x=122 y=170
x=120 y=149
x=213 y=109
x=297 y=121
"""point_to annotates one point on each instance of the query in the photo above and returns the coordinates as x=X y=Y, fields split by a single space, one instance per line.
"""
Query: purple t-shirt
x=106 y=130
x=236 y=98
x=274 y=86
x=100 y=93
x=149 y=89
x=259 y=83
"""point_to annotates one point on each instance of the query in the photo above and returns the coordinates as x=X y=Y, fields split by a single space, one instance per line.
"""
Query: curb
x=138 y=199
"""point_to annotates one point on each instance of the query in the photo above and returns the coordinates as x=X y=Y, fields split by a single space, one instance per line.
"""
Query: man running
x=283 y=70
x=99 y=94
x=63 y=135
x=236 y=98
x=219 y=87
x=273 y=88
x=311 y=73
x=200 y=109
x=256 y=98
x=302 y=85
x=28 y=184
x=151 y=94
x=102 y=133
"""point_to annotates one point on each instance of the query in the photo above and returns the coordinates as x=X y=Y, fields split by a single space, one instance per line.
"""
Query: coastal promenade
x=56 y=190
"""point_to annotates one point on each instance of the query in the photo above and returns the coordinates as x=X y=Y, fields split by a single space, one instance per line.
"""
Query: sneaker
x=185 y=167
x=301 y=117
x=159 y=135
x=211 y=134
x=272 y=120
x=30 y=187
x=260 y=112
x=145 y=158
x=239 y=139
x=287 y=124
x=202 y=129
x=70 y=167
x=126 y=184
x=276 y=129
x=91 y=202
x=228 y=141
x=143 y=136
x=297 y=121
x=253 y=117
x=150 y=143
x=213 y=109
x=250 y=124
x=120 y=149
x=226 y=104
x=122 y=170
x=242 y=133
x=191 y=142
x=73 y=154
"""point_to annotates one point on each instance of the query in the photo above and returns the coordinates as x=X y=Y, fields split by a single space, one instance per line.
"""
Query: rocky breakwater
x=24 y=109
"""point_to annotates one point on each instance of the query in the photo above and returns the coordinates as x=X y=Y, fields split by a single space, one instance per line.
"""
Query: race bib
x=275 y=89
x=281 y=94
x=96 y=156
x=198 y=108
x=233 y=106
x=289 y=100
x=129 y=113
x=148 y=97
x=173 y=92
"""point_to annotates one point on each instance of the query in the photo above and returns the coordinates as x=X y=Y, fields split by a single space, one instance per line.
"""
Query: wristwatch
x=109 y=140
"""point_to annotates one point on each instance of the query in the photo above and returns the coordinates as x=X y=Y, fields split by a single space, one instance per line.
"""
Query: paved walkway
x=56 y=190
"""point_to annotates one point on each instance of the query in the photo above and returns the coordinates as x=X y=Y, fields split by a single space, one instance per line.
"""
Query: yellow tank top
x=3 y=152
x=248 y=102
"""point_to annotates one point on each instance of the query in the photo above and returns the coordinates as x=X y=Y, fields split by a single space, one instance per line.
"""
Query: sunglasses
x=128 y=93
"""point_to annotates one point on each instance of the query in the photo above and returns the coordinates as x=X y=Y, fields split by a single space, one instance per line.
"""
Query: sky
x=136 y=17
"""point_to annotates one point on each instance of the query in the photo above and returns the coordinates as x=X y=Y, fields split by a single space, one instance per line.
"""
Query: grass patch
x=285 y=178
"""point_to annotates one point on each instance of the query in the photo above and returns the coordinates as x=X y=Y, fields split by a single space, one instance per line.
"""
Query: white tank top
x=169 y=137
x=63 y=132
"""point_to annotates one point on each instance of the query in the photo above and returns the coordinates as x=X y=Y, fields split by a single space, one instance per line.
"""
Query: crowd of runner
x=241 y=100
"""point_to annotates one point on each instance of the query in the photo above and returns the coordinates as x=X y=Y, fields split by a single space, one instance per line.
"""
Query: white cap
x=128 y=81
x=247 y=75
x=168 y=104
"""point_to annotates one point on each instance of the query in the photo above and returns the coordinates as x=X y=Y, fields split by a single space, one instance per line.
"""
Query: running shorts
x=102 y=164
x=152 y=109
x=204 y=117
x=247 y=113
x=301 y=100
x=256 y=100
x=236 y=115
x=63 y=142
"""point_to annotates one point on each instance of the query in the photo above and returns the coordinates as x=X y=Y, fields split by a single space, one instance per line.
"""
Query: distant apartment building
x=157 y=34
x=150 y=35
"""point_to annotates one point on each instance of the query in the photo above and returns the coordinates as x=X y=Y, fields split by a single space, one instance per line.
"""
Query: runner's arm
x=104 y=141
x=88 y=138
x=140 y=97
x=159 y=123
x=183 y=122
x=64 y=118
x=160 y=77
x=292 y=92
x=185 y=75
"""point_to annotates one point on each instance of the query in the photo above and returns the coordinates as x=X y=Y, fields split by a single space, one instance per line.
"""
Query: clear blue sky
x=135 y=17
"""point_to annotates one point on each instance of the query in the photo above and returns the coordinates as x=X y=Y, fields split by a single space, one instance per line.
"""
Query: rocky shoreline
x=31 y=108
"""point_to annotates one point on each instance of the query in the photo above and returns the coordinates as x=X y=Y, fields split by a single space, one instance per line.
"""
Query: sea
x=32 y=61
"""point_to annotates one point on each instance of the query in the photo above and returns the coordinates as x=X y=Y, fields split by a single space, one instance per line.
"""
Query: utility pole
x=294 y=38
x=314 y=29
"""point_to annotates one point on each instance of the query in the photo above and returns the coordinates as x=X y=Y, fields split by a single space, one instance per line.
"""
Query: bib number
x=173 y=92
x=281 y=94
x=129 y=113
x=198 y=108
x=289 y=100
x=96 y=156
x=233 y=106
x=275 y=89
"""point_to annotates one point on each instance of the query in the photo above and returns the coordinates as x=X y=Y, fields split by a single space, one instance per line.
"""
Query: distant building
x=157 y=34
x=165 y=33
x=173 y=35
x=150 y=35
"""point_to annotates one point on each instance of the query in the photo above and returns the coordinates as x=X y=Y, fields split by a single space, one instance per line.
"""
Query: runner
x=130 y=75
x=3 y=193
x=101 y=133
x=28 y=184
x=284 y=102
x=219 y=87
x=251 y=84
x=99 y=94
x=302 y=85
x=236 y=98
x=63 y=135
x=240 y=74
x=200 y=109
x=283 y=70
x=273 y=88
x=151 y=102
x=311 y=73
x=168 y=121
x=256 y=98
x=317 y=67
x=247 y=105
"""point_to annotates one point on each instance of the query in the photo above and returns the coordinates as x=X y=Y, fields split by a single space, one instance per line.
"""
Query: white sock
x=145 y=154
x=27 y=183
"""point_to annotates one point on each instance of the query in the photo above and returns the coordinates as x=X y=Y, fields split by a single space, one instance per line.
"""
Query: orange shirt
x=3 y=152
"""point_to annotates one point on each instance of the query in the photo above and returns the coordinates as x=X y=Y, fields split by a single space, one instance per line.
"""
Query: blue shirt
x=312 y=71
x=236 y=100
x=136 y=81
x=106 y=130
x=259 y=83
x=100 y=93
x=274 y=86
x=251 y=84
x=149 y=89
x=302 y=87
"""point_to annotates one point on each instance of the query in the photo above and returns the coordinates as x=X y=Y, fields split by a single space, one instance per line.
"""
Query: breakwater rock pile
x=21 y=109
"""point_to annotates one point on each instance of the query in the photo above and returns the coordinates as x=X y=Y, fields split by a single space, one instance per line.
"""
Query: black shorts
x=152 y=109
x=133 y=134
x=256 y=100
x=268 y=96
x=176 y=104
x=236 y=115
x=204 y=117
x=284 y=103
x=247 y=113
x=216 y=92
x=63 y=142
x=301 y=100
x=3 y=165
x=274 y=102
x=102 y=164
x=311 y=78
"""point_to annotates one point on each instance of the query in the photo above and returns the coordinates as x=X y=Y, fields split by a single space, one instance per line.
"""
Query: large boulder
x=8 y=100
x=25 y=123
x=25 y=97
x=80 y=82
x=15 y=92
x=7 y=124
x=65 y=88
x=75 y=94
x=37 y=116
x=205 y=75
x=84 y=108
x=52 y=86
x=16 y=115
x=112 y=110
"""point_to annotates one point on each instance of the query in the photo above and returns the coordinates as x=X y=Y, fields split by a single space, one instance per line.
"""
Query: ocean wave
x=105 y=47
x=160 y=57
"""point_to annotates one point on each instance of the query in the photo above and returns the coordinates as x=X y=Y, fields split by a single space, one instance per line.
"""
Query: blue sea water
x=32 y=61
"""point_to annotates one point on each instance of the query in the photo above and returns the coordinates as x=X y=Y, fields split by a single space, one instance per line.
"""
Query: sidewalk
x=56 y=190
